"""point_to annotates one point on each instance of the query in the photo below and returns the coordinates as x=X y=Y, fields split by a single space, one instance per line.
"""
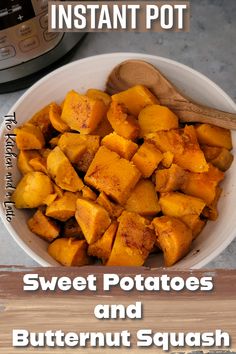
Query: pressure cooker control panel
x=23 y=31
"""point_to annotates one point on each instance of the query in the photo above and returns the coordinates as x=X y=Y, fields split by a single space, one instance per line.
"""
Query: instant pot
x=26 y=46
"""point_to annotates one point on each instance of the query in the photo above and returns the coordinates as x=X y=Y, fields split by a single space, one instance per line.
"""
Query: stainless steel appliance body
x=26 y=46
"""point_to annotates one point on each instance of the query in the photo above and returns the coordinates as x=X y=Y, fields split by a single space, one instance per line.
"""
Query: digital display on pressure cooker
x=14 y=12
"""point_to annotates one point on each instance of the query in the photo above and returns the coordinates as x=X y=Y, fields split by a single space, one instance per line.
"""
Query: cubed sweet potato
x=113 y=209
x=69 y=252
x=147 y=158
x=55 y=118
x=123 y=147
x=92 y=143
x=73 y=146
x=103 y=246
x=194 y=223
x=214 y=136
x=63 y=208
x=99 y=95
x=170 y=179
x=50 y=199
x=133 y=242
x=82 y=113
x=155 y=117
x=29 y=137
x=87 y=193
x=41 y=120
x=184 y=145
x=202 y=185
x=178 y=204
x=167 y=159
x=111 y=174
x=32 y=189
x=211 y=211
x=61 y=170
x=92 y=218
x=220 y=157
x=174 y=238
x=143 y=199
x=123 y=123
x=23 y=160
x=135 y=99
x=39 y=163
x=42 y=226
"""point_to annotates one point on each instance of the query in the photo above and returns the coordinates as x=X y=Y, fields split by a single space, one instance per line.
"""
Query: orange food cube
x=111 y=174
x=29 y=137
x=155 y=117
x=99 y=95
x=92 y=218
x=55 y=118
x=220 y=157
x=103 y=246
x=72 y=145
x=174 y=238
x=135 y=99
x=41 y=120
x=194 y=223
x=82 y=113
x=133 y=242
x=123 y=123
x=63 y=208
x=143 y=199
x=113 y=209
x=123 y=147
x=171 y=179
x=69 y=252
x=24 y=158
x=147 y=159
x=214 y=136
x=42 y=226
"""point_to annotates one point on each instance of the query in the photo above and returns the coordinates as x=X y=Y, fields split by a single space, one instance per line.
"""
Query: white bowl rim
x=126 y=55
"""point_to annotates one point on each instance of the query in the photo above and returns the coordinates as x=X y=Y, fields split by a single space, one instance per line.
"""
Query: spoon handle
x=188 y=111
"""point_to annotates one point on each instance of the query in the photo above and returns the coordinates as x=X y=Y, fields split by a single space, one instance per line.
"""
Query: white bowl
x=92 y=72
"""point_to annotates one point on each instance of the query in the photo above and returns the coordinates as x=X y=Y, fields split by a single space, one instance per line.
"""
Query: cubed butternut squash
x=55 y=118
x=123 y=123
x=170 y=179
x=32 y=190
x=23 y=160
x=29 y=137
x=61 y=170
x=73 y=146
x=82 y=113
x=178 y=204
x=143 y=199
x=147 y=158
x=220 y=157
x=184 y=145
x=41 y=120
x=208 y=134
x=123 y=147
x=42 y=226
x=99 y=95
x=174 y=238
x=113 y=209
x=103 y=246
x=69 y=252
x=133 y=242
x=135 y=99
x=92 y=218
x=155 y=117
x=111 y=174
x=63 y=208
x=202 y=185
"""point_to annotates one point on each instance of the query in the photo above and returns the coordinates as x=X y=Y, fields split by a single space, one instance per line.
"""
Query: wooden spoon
x=134 y=72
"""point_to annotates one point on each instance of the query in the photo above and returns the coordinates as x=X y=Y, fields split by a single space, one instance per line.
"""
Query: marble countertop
x=209 y=47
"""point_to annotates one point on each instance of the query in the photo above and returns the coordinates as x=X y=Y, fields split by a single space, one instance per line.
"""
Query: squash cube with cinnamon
x=111 y=174
x=55 y=118
x=41 y=120
x=114 y=210
x=103 y=246
x=72 y=145
x=134 y=241
x=92 y=218
x=82 y=113
x=61 y=170
x=123 y=147
x=69 y=252
x=170 y=179
x=147 y=158
x=123 y=123
x=174 y=238
x=63 y=208
x=43 y=226
x=143 y=199
x=135 y=98
x=29 y=137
